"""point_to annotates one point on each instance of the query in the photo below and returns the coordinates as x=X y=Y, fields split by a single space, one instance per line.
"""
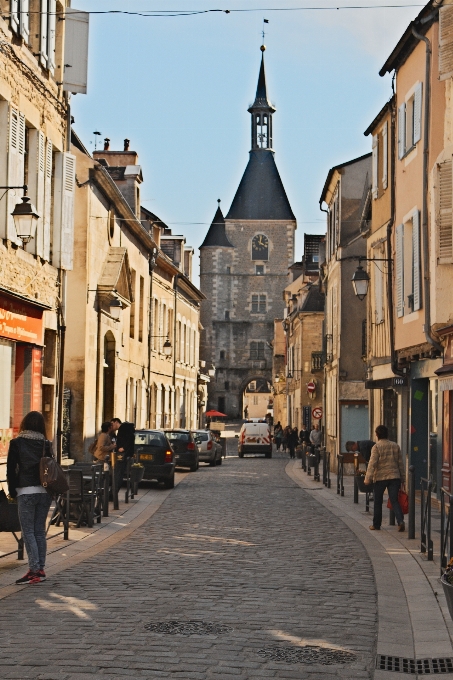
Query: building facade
x=244 y=262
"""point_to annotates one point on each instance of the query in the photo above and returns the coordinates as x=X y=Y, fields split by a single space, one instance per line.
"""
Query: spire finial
x=218 y=201
x=263 y=48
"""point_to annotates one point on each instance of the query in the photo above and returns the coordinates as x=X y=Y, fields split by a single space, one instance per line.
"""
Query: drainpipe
x=62 y=329
x=426 y=126
x=175 y=288
x=151 y=265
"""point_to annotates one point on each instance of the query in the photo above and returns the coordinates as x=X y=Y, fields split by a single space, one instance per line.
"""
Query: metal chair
x=80 y=497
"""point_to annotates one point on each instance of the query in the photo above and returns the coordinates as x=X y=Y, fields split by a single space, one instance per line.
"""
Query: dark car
x=154 y=452
x=185 y=448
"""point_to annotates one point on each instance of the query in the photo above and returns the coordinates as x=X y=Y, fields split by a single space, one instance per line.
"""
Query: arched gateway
x=244 y=262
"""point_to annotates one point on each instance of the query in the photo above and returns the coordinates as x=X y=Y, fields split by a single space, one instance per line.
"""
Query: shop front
x=21 y=347
x=445 y=386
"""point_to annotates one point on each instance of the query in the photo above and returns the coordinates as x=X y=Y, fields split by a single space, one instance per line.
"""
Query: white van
x=255 y=438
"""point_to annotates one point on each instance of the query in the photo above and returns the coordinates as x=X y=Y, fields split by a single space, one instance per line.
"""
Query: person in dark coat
x=363 y=447
x=304 y=435
x=293 y=440
x=125 y=442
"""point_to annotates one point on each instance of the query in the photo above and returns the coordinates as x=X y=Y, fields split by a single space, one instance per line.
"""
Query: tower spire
x=261 y=111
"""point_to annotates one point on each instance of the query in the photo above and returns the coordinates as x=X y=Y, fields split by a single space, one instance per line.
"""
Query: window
x=260 y=247
x=20 y=18
x=378 y=276
x=227 y=385
x=222 y=354
x=227 y=315
x=228 y=270
x=409 y=121
x=408 y=274
x=445 y=51
x=259 y=269
x=257 y=350
x=141 y=302
x=259 y=304
x=132 y=310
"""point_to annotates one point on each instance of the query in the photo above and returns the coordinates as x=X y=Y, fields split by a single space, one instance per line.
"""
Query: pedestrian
x=304 y=435
x=125 y=443
x=385 y=471
x=24 y=483
x=104 y=443
x=278 y=435
x=286 y=432
x=363 y=446
x=316 y=436
x=293 y=440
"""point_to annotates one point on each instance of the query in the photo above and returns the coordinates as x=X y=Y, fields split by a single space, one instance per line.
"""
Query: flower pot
x=137 y=472
x=448 y=592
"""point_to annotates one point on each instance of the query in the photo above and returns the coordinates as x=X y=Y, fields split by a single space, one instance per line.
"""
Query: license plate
x=146 y=456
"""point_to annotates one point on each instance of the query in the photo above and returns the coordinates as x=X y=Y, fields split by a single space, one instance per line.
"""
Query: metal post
x=411 y=494
x=356 y=486
x=66 y=518
x=316 y=476
x=308 y=461
x=328 y=470
x=114 y=485
x=105 y=504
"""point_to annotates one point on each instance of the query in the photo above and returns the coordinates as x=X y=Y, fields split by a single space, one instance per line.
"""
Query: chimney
x=106 y=144
x=126 y=144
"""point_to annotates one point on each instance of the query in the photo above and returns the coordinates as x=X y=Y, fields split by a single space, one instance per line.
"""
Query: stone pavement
x=275 y=584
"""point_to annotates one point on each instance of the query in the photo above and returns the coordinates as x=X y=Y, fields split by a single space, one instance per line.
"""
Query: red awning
x=215 y=414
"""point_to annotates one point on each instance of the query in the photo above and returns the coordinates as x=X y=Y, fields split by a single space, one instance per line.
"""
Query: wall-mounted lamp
x=360 y=282
x=115 y=308
x=211 y=371
x=167 y=347
x=25 y=216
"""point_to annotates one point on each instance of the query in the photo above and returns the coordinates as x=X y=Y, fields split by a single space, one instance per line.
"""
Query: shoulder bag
x=52 y=477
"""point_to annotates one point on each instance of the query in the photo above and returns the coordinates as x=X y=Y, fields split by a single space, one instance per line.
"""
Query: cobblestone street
x=241 y=547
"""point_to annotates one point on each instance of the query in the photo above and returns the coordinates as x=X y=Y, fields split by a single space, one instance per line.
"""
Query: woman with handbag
x=385 y=471
x=23 y=475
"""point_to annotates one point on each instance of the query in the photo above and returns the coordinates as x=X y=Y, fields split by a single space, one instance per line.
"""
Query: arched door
x=109 y=377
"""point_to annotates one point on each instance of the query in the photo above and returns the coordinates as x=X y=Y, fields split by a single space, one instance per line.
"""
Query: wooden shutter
x=4 y=146
x=43 y=53
x=16 y=152
x=446 y=42
x=401 y=130
x=378 y=275
x=47 y=201
x=385 y=155
x=76 y=51
x=51 y=31
x=374 y=167
x=416 y=263
x=63 y=231
x=418 y=113
x=399 y=270
x=36 y=186
x=24 y=19
x=14 y=15
x=444 y=217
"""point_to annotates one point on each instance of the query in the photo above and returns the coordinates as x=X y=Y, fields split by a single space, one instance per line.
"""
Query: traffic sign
x=317 y=413
x=311 y=387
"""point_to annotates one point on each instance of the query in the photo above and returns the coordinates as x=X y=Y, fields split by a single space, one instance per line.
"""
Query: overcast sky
x=179 y=89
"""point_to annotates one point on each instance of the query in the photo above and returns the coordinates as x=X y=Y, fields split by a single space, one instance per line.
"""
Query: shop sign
x=20 y=322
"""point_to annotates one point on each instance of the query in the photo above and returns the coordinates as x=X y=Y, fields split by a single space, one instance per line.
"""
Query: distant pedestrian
x=125 y=444
x=278 y=435
x=304 y=435
x=104 y=443
x=285 y=437
x=293 y=440
x=364 y=447
x=385 y=471
x=24 y=483
x=316 y=436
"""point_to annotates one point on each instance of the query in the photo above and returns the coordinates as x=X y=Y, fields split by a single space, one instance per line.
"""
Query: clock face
x=260 y=247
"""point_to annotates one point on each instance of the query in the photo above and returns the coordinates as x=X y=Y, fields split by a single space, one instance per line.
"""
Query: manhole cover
x=308 y=654
x=187 y=628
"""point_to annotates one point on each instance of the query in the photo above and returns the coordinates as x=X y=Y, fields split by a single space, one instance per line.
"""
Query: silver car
x=209 y=449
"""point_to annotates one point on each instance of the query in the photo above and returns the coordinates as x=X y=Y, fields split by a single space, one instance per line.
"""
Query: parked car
x=255 y=438
x=184 y=447
x=209 y=450
x=154 y=452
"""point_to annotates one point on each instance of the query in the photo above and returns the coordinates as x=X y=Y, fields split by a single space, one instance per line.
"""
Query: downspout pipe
x=425 y=227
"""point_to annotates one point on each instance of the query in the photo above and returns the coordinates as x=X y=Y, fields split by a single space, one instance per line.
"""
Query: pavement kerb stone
x=413 y=581
x=107 y=535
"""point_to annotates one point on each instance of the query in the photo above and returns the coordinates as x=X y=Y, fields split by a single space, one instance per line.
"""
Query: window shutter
x=418 y=113
x=43 y=37
x=446 y=42
x=444 y=217
x=51 y=30
x=47 y=200
x=399 y=273
x=15 y=169
x=378 y=288
x=374 y=168
x=76 y=51
x=36 y=180
x=401 y=131
x=4 y=146
x=24 y=19
x=385 y=155
x=416 y=260
x=14 y=15
x=63 y=231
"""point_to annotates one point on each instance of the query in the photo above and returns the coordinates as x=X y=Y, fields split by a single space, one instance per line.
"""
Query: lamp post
x=115 y=309
x=360 y=282
x=25 y=216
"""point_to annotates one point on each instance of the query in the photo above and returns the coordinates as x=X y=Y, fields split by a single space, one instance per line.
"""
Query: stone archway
x=253 y=401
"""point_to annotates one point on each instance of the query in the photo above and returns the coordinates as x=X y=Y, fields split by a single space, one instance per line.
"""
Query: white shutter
x=378 y=275
x=44 y=30
x=36 y=168
x=399 y=270
x=446 y=42
x=51 y=30
x=374 y=167
x=24 y=19
x=47 y=200
x=401 y=131
x=444 y=207
x=418 y=113
x=4 y=146
x=63 y=227
x=416 y=260
x=14 y=15
x=76 y=51
x=16 y=151
x=385 y=155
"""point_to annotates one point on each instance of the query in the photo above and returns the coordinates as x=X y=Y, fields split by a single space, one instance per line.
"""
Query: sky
x=179 y=88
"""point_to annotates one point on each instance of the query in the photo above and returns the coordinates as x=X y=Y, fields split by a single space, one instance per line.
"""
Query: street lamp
x=211 y=371
x=360 y=282
x=167 y=347
x=115 y=308
x=25 y=218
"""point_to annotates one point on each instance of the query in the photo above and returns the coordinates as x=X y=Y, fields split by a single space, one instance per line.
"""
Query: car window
x=201 y=436
x=150 y=439
x=178 y=436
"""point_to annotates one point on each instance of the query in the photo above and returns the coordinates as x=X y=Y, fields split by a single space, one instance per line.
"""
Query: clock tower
x=244 y=262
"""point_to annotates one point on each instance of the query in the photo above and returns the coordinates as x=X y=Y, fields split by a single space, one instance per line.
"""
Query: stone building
x=244 y=262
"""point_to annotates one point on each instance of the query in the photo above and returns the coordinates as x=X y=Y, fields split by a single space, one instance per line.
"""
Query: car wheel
x=219 y=462
x=212 y=463
x=194 y=468
x=170 y=483
x=268 y=454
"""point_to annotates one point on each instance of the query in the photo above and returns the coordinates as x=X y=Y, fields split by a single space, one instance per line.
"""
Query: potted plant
x=137 y=472
x=447 y=585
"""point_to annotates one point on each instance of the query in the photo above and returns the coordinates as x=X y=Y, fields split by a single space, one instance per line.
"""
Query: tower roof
x=216 y=235
x=260 y=195
x=261 y=98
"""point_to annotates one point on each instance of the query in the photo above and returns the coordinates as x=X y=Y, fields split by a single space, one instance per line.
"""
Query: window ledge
x=410 y=154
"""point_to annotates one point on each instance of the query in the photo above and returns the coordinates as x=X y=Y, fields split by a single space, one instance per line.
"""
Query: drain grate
x=187 y=628
x=310 y=654
x=398 y=664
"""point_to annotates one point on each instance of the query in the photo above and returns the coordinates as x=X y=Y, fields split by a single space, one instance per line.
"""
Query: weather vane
x=265 y=21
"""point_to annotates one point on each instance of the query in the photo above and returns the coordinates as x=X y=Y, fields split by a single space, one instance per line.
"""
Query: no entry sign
x=311 y=387
x=317 y=413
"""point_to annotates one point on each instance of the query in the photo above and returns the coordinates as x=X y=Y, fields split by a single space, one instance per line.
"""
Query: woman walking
x=33 y=501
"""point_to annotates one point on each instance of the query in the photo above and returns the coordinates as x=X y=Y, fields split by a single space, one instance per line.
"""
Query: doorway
x=109 y=376
x=391 y=414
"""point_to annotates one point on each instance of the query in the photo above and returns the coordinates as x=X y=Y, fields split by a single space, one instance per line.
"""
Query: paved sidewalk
x=412 y=612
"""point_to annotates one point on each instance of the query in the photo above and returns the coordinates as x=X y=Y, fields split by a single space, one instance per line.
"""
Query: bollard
x=304 y=457
x=66 y=518
x=114 y=482
x=356 y=486
x=411 y=494
x=105 y=504
x=316 y=475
